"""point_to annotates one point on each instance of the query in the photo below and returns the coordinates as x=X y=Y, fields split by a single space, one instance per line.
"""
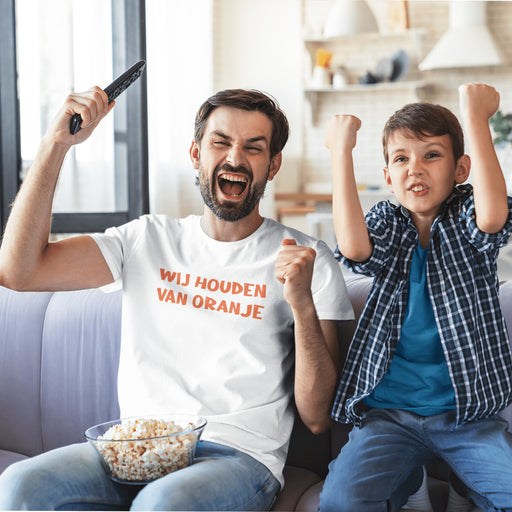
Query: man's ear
x=387 y=179
x=275 y=165
x=462 y=169
x=194 y=153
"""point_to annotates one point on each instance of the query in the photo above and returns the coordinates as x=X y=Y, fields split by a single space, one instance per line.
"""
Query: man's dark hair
x=250 y=100
x=425 y=120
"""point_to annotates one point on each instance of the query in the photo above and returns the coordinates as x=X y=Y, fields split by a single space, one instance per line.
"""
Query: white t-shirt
x=206 y=329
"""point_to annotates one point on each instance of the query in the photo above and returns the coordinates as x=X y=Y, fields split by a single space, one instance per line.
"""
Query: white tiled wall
x=374 y=107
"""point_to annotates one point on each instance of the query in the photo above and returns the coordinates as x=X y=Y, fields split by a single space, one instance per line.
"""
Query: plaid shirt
x=463 y=283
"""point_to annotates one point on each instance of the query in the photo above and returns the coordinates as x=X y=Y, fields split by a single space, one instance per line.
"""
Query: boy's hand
x=294 y=269
x=478 y=101
x=341 y=132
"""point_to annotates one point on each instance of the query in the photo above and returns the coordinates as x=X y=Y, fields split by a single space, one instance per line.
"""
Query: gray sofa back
x=59 y=354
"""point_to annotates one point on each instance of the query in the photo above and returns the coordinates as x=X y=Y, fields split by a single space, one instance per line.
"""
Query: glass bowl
x=138 y=450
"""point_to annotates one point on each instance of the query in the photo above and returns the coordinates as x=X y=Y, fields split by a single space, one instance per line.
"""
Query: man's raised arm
x=27 y=260
x=317 y=363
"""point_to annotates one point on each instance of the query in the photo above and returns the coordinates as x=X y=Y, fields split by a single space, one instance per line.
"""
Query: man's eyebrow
x=218 y=133
x=252 y=140
x=261 y=138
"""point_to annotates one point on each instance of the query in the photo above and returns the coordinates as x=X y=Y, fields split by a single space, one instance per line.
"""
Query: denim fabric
x=373 y=470
x=72 y=478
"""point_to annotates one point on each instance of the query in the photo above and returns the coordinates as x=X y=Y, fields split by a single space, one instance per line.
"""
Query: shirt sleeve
x=113 y=243
x=484 y=242
x=383 y=232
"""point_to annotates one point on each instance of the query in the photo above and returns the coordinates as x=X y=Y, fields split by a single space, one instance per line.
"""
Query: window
x=104 y=181
x=10 y=158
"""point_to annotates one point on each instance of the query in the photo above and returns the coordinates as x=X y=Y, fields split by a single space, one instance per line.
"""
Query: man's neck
x=225 y=231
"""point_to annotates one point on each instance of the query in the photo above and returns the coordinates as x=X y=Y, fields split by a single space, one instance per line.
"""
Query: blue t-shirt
x=417 y=379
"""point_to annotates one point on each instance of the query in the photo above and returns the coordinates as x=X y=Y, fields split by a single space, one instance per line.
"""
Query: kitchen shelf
x=313 y=94
x=388 y=43
x=382 y=86
x=312 y=42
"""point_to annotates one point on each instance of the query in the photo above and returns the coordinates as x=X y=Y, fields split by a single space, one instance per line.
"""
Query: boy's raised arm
x=478 y=102
x=27 y=260
x=349 y=223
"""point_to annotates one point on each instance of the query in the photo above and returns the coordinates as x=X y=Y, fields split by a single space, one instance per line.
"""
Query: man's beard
x=231 y=211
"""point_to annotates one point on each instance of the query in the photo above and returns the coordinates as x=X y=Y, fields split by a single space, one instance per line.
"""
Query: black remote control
x=113 y=90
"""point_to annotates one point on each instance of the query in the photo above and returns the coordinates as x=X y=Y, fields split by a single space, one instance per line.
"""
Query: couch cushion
x=310 y=500
x=80 y=357
x=21 y=323
x=298 y=481
x=358 y=287
x=7 y=458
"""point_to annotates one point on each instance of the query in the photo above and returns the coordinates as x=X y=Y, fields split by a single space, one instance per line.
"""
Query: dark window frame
x=10 y=150
x=129 y=40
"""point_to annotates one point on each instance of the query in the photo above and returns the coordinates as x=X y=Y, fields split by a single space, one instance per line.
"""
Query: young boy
x=430 y=364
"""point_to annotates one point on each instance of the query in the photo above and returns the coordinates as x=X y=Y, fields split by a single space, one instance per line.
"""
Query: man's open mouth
x=232 y=184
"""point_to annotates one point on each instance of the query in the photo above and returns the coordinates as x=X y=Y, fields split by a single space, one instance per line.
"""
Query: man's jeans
x=373 y=470
x=72 y=478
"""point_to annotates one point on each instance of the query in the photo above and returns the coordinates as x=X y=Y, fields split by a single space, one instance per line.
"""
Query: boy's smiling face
x=422 y=173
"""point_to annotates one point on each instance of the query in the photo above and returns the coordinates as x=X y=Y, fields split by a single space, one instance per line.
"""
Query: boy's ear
x=462 y=169
x=387 y=179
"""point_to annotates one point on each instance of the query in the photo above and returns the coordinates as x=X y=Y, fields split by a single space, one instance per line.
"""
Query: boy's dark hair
x=425 y=120
x=246 y=100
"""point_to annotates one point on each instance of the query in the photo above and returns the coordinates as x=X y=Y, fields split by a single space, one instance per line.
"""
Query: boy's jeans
x=372 y=471
x=72 y=478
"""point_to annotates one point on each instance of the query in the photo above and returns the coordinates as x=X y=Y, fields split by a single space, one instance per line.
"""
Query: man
x=225 y=315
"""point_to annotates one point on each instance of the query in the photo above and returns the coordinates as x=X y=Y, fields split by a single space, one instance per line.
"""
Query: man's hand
x=341 y=132
x=294 y=268
x=478 y=101
x=92 y=105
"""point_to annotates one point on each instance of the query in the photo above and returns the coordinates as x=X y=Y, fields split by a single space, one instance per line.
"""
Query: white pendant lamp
x=349 y=17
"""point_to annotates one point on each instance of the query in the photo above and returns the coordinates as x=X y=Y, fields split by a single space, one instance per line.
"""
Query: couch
x=58 y=368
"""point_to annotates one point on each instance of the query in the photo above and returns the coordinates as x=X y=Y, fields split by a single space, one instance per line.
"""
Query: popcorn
x=140 y=449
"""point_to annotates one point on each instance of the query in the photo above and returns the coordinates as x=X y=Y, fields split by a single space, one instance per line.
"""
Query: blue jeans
x=373 y=470
x=72 y=478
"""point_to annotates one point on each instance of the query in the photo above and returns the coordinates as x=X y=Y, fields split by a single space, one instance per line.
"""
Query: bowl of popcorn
x=138 y=450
